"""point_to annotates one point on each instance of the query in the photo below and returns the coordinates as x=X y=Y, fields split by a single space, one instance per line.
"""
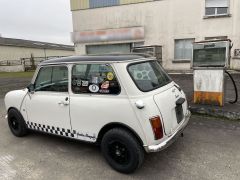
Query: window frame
x=216 y=10
x=177 y=60
x=52 y=65
x=92 y=94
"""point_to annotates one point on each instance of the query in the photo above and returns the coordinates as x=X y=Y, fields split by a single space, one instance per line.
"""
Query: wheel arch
x=109 y=126
x=12 y=108
x=16 y=109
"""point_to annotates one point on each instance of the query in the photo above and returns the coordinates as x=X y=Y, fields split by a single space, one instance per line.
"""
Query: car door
x=95 y=100
x=48 y=106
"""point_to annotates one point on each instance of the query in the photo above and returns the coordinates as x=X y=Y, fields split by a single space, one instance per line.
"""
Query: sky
x=39 y=20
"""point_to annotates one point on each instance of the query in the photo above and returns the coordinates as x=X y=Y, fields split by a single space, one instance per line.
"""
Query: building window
x=91 y=4
x=100 y=3
x=183 y=49
x=216 y=7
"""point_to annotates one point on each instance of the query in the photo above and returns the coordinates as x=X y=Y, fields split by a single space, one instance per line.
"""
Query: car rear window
x=148 y=75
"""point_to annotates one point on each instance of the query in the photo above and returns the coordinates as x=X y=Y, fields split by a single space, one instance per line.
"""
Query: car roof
x=96 y=58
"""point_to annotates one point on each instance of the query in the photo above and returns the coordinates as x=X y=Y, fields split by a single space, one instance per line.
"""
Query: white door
x=95 y=100
x=48 y=107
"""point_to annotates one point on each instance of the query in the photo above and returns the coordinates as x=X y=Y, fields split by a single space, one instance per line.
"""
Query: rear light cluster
x=157 y=127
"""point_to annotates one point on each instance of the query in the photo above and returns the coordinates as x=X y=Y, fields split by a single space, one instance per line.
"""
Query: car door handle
x=180 y=101
x=63 y=103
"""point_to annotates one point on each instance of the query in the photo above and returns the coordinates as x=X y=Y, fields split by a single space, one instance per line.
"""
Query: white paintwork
x=139 y=104
x=209 y=80
x=166 y=102
x=87 y=114
x=48 y=108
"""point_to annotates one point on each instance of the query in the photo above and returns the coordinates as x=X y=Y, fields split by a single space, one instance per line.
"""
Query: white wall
x=15 y=53
x=163 y=21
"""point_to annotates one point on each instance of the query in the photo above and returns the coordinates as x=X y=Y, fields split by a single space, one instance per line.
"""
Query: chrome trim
x=6 y=116
x=170 y=139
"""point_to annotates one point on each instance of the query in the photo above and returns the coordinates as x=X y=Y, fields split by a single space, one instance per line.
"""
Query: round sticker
x=94 y=88
x=110 y=76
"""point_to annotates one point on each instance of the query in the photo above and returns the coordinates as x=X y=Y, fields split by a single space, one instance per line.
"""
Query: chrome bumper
x=170 y=139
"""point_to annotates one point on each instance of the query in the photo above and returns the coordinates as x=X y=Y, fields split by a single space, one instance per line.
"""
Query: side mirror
x=30 y=88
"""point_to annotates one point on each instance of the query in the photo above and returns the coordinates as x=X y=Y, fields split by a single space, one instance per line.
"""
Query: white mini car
x=126 y=103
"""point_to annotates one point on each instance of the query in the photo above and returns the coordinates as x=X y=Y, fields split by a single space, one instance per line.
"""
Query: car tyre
x=122 y=150
x=16 y=123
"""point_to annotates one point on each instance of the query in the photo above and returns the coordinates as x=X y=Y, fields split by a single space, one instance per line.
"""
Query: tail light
x=157 y=127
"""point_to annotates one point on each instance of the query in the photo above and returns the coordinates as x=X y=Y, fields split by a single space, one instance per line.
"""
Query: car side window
x=52 y=78
x=94 y=78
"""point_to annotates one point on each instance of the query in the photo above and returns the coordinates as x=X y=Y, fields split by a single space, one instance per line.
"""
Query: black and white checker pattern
x=52 y=129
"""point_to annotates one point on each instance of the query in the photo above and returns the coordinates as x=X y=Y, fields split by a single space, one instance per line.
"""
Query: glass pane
x=183 y=49
x=148 y=75
x=188 y=49
x=102 y=3
x=60 y=79
x=43 y=78
x=210 y=11
x=52 y=79
x=209 y=57
x=179 y=49
x=217 y=3
x=222 y=10
x=94 y=78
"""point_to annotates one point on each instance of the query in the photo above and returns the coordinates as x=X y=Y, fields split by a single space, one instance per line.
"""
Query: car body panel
x=86 y=114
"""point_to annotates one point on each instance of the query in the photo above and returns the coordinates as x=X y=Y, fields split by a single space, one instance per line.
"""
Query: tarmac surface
x=208 y=150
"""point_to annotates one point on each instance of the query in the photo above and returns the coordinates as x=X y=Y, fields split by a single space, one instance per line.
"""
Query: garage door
x=109 y=48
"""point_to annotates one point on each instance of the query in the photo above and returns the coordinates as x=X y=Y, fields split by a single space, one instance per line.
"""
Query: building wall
x=163 y=22
x=16 y=53
x=236 y=33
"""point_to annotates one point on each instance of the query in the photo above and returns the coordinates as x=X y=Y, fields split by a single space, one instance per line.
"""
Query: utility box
x=154 y=50
x=210 y=59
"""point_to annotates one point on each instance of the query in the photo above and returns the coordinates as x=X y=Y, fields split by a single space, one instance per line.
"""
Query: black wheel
x=16 y=123
x=122 y=150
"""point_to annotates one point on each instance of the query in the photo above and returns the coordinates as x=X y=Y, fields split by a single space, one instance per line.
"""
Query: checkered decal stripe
x=52 y=130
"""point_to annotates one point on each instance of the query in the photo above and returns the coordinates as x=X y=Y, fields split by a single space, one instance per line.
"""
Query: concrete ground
x=210 y=149
x=230 y=111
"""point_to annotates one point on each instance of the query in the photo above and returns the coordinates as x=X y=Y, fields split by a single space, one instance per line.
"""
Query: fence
x=27 y=63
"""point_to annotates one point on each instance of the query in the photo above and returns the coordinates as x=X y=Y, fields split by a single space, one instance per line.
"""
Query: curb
x=216 y=112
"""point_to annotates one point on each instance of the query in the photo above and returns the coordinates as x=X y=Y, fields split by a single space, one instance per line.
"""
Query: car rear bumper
x=168 y=141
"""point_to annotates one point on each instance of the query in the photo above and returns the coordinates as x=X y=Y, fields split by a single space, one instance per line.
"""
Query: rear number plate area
x=179 y=113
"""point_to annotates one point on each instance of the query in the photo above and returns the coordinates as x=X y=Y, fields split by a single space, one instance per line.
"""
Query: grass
x=16 y=74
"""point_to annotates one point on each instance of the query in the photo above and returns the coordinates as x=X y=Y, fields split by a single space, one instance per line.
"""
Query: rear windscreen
x=148 y=75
